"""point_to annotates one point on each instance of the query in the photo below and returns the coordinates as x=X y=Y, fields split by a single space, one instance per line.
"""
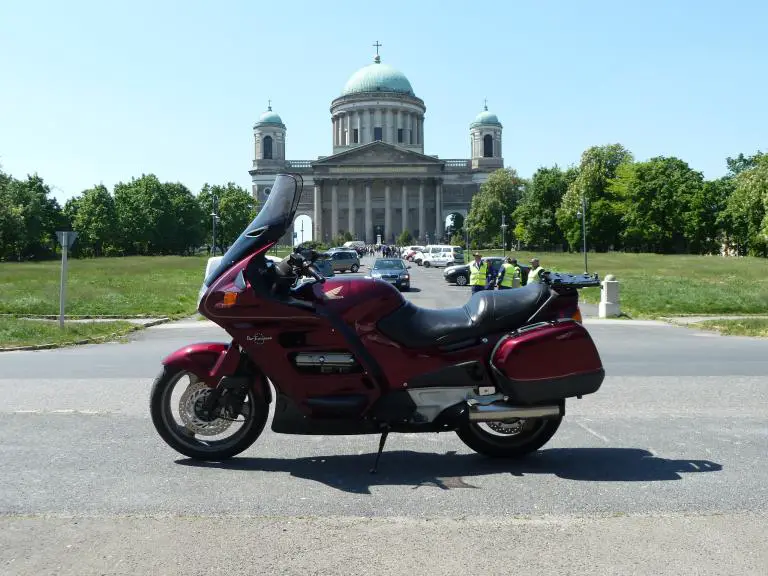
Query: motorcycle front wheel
x=175 y=406
x=512 y=439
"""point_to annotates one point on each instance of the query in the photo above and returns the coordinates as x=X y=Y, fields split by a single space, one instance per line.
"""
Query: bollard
x=609 y=298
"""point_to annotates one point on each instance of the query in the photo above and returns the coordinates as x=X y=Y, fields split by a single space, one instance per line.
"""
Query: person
x=534 y=276
x=509 y=276
x=478 y=273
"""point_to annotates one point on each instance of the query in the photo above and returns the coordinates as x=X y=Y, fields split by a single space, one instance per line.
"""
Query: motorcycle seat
x=487 y=312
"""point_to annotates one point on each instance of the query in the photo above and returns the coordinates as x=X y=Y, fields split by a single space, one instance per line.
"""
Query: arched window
x=487 y=146
x=266 y=148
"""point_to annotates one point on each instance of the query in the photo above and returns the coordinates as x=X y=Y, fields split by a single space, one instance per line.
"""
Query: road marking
x=63 y=411
x=595 y=434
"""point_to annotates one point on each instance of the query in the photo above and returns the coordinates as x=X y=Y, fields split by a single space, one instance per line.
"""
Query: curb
x=80 y=317
x=94 y=340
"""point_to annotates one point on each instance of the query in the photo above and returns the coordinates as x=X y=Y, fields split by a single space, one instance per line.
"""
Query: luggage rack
x=560 y=279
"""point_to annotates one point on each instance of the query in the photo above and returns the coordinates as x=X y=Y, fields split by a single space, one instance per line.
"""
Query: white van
x=355 y=245
x=442 y=255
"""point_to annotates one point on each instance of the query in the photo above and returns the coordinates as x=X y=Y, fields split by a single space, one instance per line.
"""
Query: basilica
x=378 y=182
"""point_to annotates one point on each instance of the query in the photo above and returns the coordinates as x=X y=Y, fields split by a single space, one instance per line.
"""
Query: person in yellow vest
x=534 y=276
x=478 y=273
x=509 y=277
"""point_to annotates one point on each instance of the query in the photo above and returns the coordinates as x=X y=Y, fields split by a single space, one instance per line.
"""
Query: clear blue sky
x=96 y=91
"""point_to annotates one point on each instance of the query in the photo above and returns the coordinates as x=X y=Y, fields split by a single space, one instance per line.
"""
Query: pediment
x=377 y=153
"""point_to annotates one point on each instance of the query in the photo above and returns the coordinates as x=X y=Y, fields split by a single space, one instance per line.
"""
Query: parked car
x=324 y=267
x=459 y=275
x=343 y=260
x=443 y=255
x=410 y=251
x=392 y=270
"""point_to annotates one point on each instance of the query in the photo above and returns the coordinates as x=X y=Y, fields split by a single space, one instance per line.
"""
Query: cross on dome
x=269 y=105
x=377 y=59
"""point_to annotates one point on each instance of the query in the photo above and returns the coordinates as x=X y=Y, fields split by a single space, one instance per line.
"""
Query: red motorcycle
x=352 y=356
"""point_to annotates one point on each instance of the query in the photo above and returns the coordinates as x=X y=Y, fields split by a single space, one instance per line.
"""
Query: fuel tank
x=360 y=298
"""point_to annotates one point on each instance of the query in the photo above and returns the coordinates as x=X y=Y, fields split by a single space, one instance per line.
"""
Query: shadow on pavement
x=407 y=468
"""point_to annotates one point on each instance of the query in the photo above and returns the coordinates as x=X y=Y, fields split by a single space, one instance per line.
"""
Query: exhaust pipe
x=496 y=412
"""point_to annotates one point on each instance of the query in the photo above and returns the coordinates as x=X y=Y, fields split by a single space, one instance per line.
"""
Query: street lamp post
x=302 y=231
x=214 y=217
x=583 y=216
x=504 y=235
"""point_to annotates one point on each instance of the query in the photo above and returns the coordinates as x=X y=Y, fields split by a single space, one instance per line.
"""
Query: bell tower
x=485 y=138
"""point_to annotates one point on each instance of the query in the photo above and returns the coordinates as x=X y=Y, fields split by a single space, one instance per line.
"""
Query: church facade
x=378 y=182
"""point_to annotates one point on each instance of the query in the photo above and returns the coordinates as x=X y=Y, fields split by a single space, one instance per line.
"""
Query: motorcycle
x=352 y=356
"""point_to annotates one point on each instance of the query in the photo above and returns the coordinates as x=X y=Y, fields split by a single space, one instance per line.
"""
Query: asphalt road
x=663 y=471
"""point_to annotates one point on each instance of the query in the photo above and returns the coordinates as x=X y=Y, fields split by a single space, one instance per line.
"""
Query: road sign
x=66 y=239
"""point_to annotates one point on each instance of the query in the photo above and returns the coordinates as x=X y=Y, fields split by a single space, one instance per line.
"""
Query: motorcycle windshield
x=270 y=223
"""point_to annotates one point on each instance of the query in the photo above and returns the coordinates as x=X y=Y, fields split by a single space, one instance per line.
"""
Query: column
x=404 y=208
x=422 y=216
x=351 y=208
x=348 y=139
x=334 y=210
x=368 y=215
x=333 y=130
x=317 y=219
x=387 y=213
x=438 y=209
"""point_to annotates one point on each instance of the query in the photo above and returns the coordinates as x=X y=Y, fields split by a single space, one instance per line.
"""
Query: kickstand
x=382 y=440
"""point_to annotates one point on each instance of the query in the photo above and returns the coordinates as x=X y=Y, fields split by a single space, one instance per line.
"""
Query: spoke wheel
x=176 y=405
x=510 y=438
x=461 y=280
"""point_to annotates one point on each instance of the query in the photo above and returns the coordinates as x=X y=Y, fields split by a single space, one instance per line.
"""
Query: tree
x=95 y=221
x=741 y=163
x=30 y=218
x=499 y=195
x=536 y=224
x=663 y=205
x=190 y=219
x=747 y=209
x=405 y=238
x=598 y=167
x=236 y=209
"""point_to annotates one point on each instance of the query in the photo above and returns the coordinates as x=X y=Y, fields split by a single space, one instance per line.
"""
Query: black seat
x=486 y=312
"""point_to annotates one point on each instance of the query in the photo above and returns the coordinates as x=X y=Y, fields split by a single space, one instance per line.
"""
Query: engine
x=326 y=362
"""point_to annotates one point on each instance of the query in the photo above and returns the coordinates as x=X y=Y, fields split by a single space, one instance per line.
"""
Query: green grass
x=133 y=286
x=653 y=285
x=21 y=332
x=737 y=327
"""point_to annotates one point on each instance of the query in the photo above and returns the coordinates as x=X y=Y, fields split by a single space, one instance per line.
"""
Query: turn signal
x=577 y=315
x=229 y=299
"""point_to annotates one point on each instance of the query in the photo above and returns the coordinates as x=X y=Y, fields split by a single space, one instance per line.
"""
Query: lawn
x=653 y=285
x=131 y=286
x=21 y=332
x=737 y=327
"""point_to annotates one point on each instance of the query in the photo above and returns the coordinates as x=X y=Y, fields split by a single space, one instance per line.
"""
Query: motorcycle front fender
x=211 y=361
x=201 y=359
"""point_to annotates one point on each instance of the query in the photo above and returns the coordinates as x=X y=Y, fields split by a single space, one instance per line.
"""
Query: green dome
x=377 y=77
x=486 y=118
x=270 y=117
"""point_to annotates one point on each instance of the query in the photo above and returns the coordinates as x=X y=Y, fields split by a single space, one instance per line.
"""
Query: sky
x=99 y=92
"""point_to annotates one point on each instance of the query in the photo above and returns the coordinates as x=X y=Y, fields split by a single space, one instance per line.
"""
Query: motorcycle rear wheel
x=192 y=436
x=524 y=436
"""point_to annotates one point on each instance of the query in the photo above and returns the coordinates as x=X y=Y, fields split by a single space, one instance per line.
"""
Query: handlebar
x=314 y=273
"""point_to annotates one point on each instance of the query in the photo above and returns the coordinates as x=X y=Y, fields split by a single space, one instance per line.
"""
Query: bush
x=405 y=239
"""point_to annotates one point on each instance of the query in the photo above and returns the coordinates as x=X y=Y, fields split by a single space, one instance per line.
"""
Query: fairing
x=268 y=226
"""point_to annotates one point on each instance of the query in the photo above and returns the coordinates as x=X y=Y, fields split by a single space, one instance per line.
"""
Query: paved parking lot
x=662 y=471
